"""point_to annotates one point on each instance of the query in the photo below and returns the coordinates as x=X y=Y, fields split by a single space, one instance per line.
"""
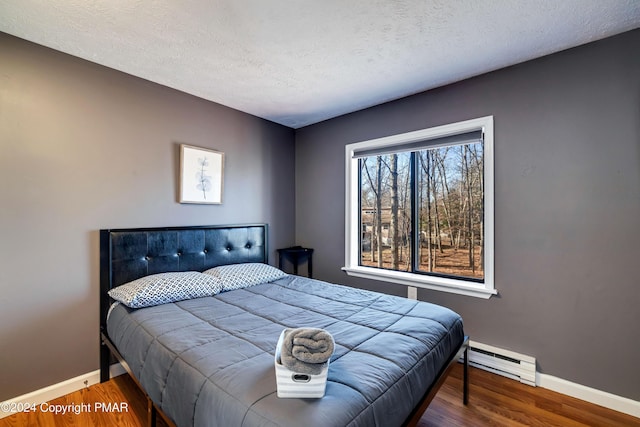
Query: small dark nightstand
x=296 y=254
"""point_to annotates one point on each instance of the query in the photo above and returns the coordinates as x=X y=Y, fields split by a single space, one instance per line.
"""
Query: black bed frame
x=128 y=254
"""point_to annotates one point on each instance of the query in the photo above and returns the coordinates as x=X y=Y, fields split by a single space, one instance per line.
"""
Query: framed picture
x=201 y=174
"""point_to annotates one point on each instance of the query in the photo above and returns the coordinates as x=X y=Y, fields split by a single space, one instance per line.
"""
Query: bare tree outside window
x=386 y=211
x=446 y=184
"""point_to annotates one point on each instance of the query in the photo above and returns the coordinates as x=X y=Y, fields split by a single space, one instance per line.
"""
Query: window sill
x=420 y=281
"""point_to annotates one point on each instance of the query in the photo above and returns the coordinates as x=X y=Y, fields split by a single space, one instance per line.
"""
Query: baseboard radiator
x=503 y=362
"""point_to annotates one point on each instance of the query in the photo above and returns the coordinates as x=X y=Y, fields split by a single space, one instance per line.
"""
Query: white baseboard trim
x=597 y=397
x=58 y=390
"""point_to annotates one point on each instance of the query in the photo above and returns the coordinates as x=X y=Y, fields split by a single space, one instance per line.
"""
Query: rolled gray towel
x=306 y=350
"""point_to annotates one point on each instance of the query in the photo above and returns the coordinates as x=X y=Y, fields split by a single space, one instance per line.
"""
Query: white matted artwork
x=201 y=174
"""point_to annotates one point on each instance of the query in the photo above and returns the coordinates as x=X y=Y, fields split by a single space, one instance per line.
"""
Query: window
x=419 y=208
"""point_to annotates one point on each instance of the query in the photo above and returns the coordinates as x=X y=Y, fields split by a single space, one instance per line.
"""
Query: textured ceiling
x=298 y=62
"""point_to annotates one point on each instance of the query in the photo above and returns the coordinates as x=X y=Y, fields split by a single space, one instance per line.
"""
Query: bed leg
x=465 y=376
x=104 y=362
x=151 y=413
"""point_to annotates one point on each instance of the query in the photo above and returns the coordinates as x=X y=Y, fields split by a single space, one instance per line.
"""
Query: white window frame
x=352 y=221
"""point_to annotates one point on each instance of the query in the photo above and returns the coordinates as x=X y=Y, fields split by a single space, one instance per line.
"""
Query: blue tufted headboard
x=128 y=254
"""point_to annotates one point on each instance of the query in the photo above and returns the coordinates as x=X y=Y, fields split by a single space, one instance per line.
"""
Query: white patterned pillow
x=236 y=276
x=163 y=288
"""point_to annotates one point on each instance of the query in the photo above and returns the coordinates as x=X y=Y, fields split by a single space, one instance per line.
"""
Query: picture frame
x=201 y=175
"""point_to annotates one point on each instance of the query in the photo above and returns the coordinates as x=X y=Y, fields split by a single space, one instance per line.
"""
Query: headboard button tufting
x=135 y=252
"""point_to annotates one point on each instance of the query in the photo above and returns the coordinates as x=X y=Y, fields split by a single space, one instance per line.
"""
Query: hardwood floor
x=117 y=390
x=493 y=401
x=499 y=401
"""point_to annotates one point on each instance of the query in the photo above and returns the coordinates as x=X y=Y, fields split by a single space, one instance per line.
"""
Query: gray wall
x=83 y=147
x=567 y=142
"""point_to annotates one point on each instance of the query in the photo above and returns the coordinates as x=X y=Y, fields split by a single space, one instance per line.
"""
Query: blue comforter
x=210 y=361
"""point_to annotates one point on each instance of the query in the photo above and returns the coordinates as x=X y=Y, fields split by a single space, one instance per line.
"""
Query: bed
x=207 y=358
